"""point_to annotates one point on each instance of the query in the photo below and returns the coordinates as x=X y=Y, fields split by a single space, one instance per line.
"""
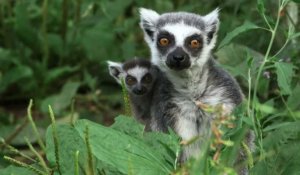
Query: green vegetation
x=55 y=52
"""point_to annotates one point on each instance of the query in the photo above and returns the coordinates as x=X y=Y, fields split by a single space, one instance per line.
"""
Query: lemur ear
x=148 y=22
x=115 y=70
x=212 y=23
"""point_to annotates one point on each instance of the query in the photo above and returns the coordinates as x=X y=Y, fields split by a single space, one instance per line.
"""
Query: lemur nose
x=139 y=90
x=179 y=58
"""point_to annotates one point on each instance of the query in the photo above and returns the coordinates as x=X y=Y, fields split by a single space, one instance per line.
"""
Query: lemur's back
x=162 y=105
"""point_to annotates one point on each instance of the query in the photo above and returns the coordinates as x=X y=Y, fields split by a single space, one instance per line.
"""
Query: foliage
x=118 y=149
x=57 y=50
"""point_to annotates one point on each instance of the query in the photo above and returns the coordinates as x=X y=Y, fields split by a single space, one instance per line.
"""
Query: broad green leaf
x=295 y=35
x=14 y=75
x=57 y=72
x=23 y=27
x=55 y=43
x=293 y=100
x=14 y=170
x=7 y=59
x=89 y=80
x=62 y=100
x=114 y=9
x=297 y=1
x=261 y=6
x=129 y=126
x=69 y=141
x=283 y=142
x=285 y=72
x=7 y=130
x=276 y=126
x=230 y=36
x=95 y=44
x=126 y=153
x=166 y=144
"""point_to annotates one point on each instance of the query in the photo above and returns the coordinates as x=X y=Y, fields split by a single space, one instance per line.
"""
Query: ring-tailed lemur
x=181 y=45
x=139 y=77
x=149 y=90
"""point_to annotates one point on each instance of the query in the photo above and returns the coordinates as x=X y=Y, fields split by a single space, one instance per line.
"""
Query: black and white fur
x=193 y=72
x=153 y=107
x=140 y=91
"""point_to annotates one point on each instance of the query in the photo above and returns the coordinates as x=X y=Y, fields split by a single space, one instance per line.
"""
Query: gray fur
x=203 y=80
x=155 y=108
x=140 y=103
x=176 y=17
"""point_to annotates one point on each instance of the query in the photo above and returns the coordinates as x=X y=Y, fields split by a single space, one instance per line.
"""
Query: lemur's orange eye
x=130 y=80
x=195 y=44
x=164 y=41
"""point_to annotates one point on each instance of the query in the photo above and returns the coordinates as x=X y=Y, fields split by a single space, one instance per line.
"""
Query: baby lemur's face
x=139 y=75
x=179 y=40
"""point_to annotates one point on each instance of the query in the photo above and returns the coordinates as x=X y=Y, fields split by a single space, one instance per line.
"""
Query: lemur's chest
x=204 y=92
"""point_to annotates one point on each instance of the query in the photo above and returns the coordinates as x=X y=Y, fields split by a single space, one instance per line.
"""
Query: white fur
x=150 y=18
x=115 y=65
x=212 y=16
x=187 y=82
x=212 y=20
x=185 y=125
x=137 y=72
x=181 y=31
x=149 y=15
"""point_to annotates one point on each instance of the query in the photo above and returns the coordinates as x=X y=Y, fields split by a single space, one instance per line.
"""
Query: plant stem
x=261 y=68
x=44 y=34
x=126 y=99
x=249 y=95
x=72 y=120
x=288 y=108
x=55 y=139
x=42 y=162
x=76 y=163
x=21 y=164
x=35 y=130
x=64 y=24
x=14 y=150
x=90 y=170
x=281 y=49
x=16 y=132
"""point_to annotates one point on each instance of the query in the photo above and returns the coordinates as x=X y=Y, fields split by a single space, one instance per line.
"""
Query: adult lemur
x=181 y=45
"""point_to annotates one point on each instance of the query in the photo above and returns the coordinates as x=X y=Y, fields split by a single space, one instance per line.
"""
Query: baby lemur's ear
x=212 y=24
x=115 y=70
x=148 y=22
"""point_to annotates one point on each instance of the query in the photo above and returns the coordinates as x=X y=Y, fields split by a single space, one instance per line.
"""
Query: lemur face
x=139 y=75
x=139 y=80
x=179 y=40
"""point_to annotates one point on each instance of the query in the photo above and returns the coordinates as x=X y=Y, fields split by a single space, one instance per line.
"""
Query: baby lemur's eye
x=164 y=41
x=130 y=80
x=147 y=78
x=195 y=44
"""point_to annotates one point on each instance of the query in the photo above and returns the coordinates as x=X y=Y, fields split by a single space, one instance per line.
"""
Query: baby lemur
x=149 y=90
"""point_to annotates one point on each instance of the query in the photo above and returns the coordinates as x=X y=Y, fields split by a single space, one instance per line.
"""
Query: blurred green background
x=55 y=52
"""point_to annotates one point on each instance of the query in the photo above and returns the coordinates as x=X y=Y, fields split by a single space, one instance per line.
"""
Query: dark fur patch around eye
x=164 y=34
x=193 y=51
x=147 y=78
x=130 y=80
